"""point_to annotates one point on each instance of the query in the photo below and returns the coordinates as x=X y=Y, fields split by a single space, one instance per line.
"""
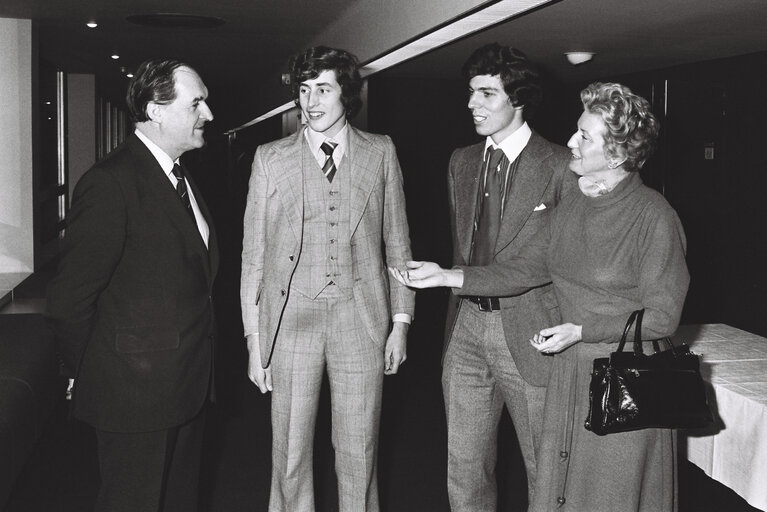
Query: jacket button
x=561 y=500
x=283 y=292
x=290 y=257
x=563 y=454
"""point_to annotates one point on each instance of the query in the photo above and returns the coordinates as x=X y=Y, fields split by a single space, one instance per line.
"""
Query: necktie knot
x=178 y=172
x=494 y=156
x=328 y=147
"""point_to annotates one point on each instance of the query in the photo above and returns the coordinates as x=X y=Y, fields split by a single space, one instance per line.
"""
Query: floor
x=62 y=475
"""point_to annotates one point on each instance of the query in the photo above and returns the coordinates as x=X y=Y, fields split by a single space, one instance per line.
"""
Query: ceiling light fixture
x=115 y=56
x=92 y=24
x=576 y=58
x=129 y=75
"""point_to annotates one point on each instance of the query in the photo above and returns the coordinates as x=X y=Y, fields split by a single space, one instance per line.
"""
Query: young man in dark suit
x=131 y=302
x=325 y=215
x=501 y=192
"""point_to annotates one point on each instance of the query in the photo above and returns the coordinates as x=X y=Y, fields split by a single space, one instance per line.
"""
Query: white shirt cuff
x=402 y=317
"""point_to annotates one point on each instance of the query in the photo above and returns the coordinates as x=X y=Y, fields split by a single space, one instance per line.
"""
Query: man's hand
x=556 y=339
x=396 y=348
x=261 y=377
x=426 y=274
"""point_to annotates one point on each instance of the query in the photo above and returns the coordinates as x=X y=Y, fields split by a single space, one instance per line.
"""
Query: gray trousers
x=317 y=336
x=478 y=377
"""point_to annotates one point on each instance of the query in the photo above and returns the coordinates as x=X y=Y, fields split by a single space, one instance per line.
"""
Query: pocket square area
x=540 y=207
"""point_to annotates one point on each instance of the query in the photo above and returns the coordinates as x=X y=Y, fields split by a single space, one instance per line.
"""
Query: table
x=733 y=450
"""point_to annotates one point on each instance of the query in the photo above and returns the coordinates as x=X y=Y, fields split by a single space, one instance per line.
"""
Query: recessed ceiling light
x=115 y=56
x=129 y=75
x=91 y=24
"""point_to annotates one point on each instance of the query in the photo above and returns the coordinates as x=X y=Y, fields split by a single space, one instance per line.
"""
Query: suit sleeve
x=512 y=277
x=396 y=231
x=91 y=250
x=451 y=206
x=254 y=236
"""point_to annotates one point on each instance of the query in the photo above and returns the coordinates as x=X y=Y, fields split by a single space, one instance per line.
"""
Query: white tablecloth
x=734 y=450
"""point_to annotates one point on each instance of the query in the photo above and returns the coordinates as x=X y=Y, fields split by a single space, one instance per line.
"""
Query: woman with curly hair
x=615 y=247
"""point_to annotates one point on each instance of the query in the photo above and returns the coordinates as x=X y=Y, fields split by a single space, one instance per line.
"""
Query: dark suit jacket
x=542 y=178
x=131 y=302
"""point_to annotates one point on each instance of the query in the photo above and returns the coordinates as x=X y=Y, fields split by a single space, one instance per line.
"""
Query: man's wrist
x=454 y=278
x=251 y=339
x=403 y=326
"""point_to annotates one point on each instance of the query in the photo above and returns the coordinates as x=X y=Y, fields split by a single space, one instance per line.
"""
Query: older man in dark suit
x=501 y=192
x=131 y=302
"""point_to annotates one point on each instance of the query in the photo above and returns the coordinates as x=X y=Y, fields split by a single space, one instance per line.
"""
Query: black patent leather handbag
x=633 y=390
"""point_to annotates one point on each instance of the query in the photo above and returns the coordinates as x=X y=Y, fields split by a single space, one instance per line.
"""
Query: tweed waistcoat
x=324 y=267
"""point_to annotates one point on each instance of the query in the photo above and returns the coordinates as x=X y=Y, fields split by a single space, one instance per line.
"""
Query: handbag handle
x=636 y=316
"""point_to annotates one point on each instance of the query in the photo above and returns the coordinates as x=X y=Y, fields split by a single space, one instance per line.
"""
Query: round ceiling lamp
x=576 y=58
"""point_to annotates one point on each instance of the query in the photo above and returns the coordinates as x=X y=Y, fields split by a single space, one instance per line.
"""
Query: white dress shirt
x=167 y=166
x=315 y=140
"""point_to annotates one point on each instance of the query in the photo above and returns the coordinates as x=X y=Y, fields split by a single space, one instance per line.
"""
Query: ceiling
x=259 y=36
x=625 y=35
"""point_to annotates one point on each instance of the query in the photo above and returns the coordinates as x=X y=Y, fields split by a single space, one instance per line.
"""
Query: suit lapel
x=467 y=181
x=364 y=164
x=287 y=172
x=163 y=192
x=527 y=190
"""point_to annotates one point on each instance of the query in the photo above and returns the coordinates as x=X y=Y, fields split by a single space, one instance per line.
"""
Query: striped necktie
x=181 y=189
x=329 y=168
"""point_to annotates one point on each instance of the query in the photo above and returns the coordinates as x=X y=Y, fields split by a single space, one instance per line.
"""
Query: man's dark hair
x=153 y=81
x=519 y=76
x=309 y=64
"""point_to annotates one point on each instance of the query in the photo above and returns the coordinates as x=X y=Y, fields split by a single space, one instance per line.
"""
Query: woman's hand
x=556 y=339
x=426 y=274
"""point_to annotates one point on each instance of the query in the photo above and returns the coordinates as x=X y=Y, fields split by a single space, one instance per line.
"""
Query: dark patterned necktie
x=329 y=168
x=181 y=189
x=490 y=215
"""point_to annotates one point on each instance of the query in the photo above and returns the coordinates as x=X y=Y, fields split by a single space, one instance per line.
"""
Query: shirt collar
x=315 y=140
x=512 y=145
x=161 y=156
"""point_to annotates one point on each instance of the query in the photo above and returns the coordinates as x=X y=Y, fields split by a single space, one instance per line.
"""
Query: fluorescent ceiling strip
x=279 y=110
x=462 y=27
